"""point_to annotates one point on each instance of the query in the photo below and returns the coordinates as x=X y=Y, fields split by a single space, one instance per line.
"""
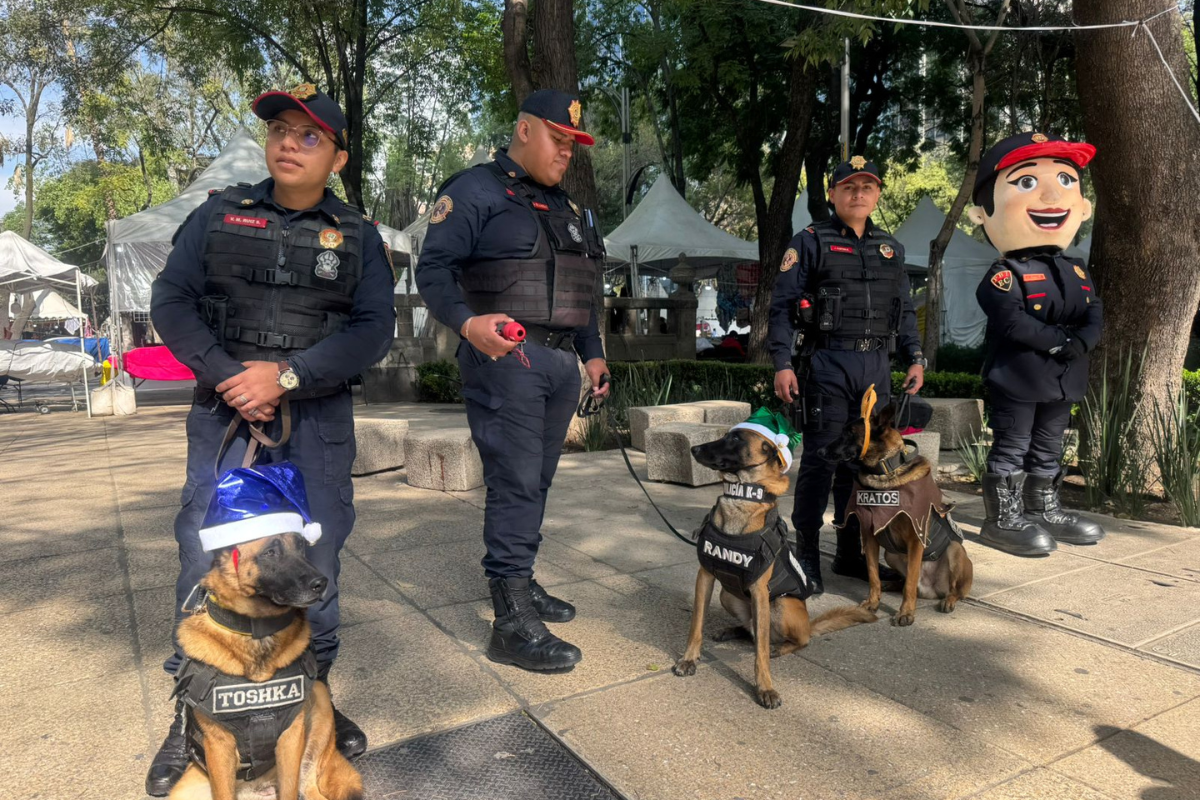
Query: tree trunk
x=775 y=225
x=515 y=27
x=1143 y=257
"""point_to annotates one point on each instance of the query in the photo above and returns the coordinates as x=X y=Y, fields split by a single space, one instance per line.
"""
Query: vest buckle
x=268 y=339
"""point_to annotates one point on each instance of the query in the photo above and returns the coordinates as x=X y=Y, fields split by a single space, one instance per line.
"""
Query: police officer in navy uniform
x=1044 y=319
x=275 y=295
x=842 y=285
x=504 y=244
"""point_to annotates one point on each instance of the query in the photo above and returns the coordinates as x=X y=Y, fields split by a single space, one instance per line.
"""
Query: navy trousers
x=832 y=394
x=1026 y=436
x=322 y=447
x=519 y=418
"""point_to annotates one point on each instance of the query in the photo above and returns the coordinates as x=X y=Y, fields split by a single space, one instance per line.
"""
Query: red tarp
x=155 y=364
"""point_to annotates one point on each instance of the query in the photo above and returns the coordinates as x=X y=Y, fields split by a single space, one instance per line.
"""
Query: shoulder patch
x=441 y=209
x=810 y=229
x=789 y=259
x=1002 y=280
x=886 y=250
x=1079 y=271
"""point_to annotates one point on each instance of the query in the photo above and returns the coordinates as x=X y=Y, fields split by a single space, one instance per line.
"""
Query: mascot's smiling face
x=1037 y=202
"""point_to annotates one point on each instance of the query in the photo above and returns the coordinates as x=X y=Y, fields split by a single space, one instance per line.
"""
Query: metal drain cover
x=506 y=758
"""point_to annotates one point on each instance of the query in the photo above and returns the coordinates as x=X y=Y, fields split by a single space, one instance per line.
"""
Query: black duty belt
x=549 y=337
x=867 y=345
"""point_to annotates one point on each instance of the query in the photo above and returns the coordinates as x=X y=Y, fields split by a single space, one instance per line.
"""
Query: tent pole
x=87 y=392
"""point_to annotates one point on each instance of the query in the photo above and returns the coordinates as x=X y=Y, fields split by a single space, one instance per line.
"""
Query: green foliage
x=1115 y=467
x=1191 y=388
x=974 y=453
x=1175 y=435
x=944 y=384
x=959 y=358
x=439 y=382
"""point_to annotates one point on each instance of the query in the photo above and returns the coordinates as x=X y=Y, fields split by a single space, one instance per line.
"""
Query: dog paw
x=731 y=634
x=769 y=698
x=870 y=606
x=684 y=667
x=904 y=620
x=946 y=606
x=776 y=652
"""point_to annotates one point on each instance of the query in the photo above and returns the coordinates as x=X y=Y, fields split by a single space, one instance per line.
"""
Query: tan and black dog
x=900 y=508
x=742 y=545
x=247 y=665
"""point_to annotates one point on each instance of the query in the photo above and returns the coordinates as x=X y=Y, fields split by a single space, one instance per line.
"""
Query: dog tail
x=840 y=618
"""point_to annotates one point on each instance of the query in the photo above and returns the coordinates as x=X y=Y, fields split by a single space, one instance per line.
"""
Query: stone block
x=723 y=412
x=380 y=445
x=445 y=460
x=928 y=442
x=958 y=420
x=669 y=452
x=642 y=418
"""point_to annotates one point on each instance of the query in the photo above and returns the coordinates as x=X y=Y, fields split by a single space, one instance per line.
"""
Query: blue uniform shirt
x=792 y=283
x=484 y=223
x=176 y=293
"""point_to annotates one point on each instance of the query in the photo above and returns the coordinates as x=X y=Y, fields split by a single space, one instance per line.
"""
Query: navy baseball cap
x=1026 y=146
x=319 y=106
x=853 y=168
x=560 y=111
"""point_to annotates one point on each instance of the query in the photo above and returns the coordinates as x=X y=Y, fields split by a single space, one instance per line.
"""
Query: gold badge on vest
x=330 y=238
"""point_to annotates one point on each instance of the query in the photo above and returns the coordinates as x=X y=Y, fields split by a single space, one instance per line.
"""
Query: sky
x=9 y=126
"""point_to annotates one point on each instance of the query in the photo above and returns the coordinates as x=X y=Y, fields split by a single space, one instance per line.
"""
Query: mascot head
x=1028 y=194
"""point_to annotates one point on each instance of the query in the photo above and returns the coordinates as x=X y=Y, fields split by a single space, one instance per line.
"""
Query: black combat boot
x=849 y=560
x=1042 y=507
x=549 y=607
x=1006 y=527
x=808 y=553
x=172 y=758
x=351 y=741
x=519 y=637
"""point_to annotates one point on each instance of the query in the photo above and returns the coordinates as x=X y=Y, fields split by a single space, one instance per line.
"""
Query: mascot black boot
x=808 y=553
x=1006 y=527
x=519 y=637
x=351 y=741
x=549 y=607
x=172 y=758
x=1042 y=506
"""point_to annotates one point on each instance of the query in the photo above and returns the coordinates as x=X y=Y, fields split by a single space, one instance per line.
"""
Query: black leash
x=590 y=406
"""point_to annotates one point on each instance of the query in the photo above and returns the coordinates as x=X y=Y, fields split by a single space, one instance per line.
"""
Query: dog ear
x=885 y=418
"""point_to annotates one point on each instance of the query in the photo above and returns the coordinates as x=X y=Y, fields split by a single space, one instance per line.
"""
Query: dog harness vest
x=921 y=501
x=739 y=561
x=255 y=712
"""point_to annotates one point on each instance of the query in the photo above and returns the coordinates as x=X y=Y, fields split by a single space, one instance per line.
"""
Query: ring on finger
x=242 y=399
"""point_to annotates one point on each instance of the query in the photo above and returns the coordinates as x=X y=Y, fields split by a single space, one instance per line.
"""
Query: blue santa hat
x=253 y=502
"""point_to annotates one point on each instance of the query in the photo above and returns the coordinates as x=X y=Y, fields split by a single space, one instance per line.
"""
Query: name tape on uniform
x=745 y=491
x=878 y=497
x=249 y=222
x=252 y=696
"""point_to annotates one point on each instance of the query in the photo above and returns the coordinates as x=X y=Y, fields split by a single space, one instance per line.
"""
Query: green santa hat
x=777 y=429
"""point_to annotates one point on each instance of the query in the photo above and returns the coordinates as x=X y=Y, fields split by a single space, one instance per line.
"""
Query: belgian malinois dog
x=897 y=501
x=268 y=581
x=771 y=609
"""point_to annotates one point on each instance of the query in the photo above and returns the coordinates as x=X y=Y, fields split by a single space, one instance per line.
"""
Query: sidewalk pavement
x=1074 y=676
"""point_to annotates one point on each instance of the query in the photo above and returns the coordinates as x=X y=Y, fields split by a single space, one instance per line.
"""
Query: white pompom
x=312 y=532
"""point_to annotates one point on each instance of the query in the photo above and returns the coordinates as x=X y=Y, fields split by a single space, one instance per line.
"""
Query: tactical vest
x=921 y=501
x=857 y=284
x=553 y=285
x=274 y=288
x=738 y=561
x=256 y=713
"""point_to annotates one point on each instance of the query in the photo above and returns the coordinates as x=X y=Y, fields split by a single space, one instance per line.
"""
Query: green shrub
x=439 y=382
x=944 y=384
x=958 y=358
x=1191 y=388
x=1113 y=463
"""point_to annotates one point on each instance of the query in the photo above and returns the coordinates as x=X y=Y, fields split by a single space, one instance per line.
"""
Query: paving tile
x=400 y=677
x=1183 y=646
x=1032 y=690
x=705 y=737
x=1181 y=560
x=153 y=524
x=413 y=518
x=1121 y=604
x=62 y=641
x=86 y=741
x=153 y=562
x=73 y=577
x=439 y=575
x=1040 y=784
x=1156 y=760
x=364 y=597
x=56 y=530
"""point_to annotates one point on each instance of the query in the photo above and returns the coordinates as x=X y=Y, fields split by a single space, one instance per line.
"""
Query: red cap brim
x=860 y=175
x=1078 y=153
x=296 y=103
x=580 y=136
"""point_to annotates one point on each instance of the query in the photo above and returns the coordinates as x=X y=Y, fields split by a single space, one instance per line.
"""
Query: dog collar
x=254 y=627
x=892 y=463
x=754 y=492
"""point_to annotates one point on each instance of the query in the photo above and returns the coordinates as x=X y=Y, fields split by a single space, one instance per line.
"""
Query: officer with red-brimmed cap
x=275 y=295
x=506 y=243
x=842 y=285
x=1044 y=318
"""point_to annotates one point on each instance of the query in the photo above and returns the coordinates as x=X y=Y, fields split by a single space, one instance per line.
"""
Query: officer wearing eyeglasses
x=272 y=292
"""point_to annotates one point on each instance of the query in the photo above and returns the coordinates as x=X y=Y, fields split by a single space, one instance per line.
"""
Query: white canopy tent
x=663 y=225
x=1082 y=250
x=801 y=219
x=138 y=245
x=47 y=304
x=963 y=267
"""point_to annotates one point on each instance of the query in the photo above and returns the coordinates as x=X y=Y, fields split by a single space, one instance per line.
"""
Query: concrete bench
x=642 y=418
x=446 y=460
x=380 y=445
x=723 y=412
x=958 y=420
x=669 y=452
x=928 y=443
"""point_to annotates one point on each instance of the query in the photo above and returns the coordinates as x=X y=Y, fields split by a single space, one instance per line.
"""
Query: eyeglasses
x=308 y=136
